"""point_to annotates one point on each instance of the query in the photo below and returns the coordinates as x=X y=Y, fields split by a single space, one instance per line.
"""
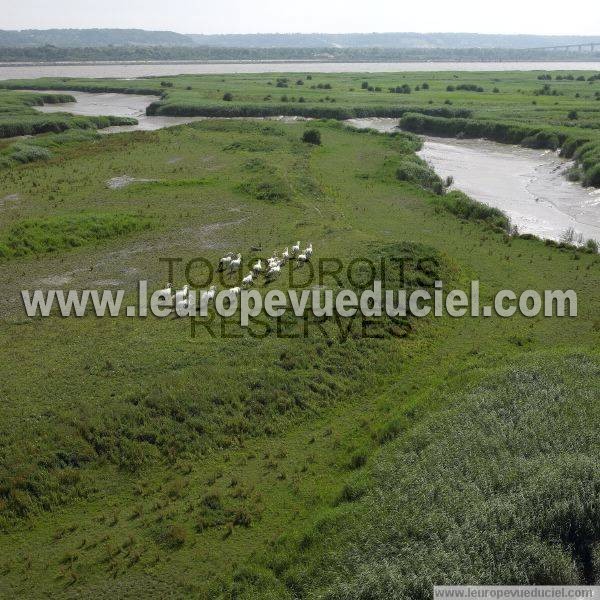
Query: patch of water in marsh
x=118 y=105
x=126 y=105
x=123 y=181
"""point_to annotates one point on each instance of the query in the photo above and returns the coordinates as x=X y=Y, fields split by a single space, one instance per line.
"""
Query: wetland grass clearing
x=137 y=460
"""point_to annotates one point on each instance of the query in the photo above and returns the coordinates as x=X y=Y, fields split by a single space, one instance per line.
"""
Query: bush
x=401 y=89
x=469 y=87
x=415 y=170
x=22 y=153
x=312 y=136
x=592 y=176
x=462 y=206
x=228 y=96
x=542 y=139
x=352 y=492
x=573 y=115
x=273 y=189
x=358 y=460
x=174 y=536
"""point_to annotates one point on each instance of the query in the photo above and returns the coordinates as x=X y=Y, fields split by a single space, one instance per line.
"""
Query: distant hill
x=84 y=38
x=388 y=40
x=325 y=42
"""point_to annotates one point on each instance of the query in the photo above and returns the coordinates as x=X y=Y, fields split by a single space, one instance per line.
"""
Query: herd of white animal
x=232 y=263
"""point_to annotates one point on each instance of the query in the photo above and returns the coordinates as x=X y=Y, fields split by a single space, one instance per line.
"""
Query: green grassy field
x=137 y=460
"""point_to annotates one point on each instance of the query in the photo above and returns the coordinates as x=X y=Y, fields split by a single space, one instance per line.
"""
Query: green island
x=146 y=458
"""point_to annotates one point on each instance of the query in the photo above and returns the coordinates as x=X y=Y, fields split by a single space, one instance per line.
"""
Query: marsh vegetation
x=139 y=459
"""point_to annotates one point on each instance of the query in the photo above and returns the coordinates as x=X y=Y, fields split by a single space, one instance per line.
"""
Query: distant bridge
x=588 y=47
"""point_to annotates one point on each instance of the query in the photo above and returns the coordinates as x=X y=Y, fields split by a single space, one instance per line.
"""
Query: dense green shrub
x=592 y=246
x=469 y=87
x=415 y=170
x=271 y=189
x=592 y=176
x=26 y=154
x=466 y=208
x=401 y=89
x=312 y=136
x=542 y=139
x=570 y=146
x=174 y=536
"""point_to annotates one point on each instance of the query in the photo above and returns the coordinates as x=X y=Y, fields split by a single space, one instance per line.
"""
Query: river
x=528 y=185
x=125 y=70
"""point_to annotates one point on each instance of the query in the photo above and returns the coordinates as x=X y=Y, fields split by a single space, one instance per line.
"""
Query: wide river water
x=126 y=70
x=528 y=185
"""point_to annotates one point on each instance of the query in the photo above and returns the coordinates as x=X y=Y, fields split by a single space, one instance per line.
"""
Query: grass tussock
x=271 y=188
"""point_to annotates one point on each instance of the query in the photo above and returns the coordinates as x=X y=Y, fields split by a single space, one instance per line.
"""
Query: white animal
x=309 y=250
x=248 y=279
x=296 y=248
x=273 y=272
x=257 y=268
x=181 y=305
x=302 y=258
x=167 y=292
x=208 y=295
x=224 y=262
x=286 y=255
x=234 y=291
x=235 y=263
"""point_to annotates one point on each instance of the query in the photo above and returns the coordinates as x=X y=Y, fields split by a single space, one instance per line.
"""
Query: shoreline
x=286 y=61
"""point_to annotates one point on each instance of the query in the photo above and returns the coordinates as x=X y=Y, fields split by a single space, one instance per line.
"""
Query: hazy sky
x=251 y=16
